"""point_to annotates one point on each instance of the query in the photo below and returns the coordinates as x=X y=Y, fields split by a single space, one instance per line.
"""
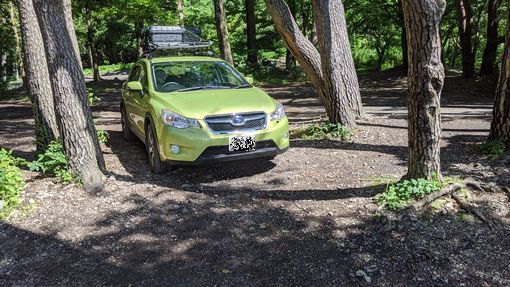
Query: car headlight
x=278 y=113
x=177 y=121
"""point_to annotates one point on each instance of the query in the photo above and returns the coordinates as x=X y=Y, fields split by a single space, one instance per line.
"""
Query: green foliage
x=322 y=131
x=493 y=149
x=53 y=162
x=112 y=68
x=11 y=182
x=103 y=136
x=398 y=195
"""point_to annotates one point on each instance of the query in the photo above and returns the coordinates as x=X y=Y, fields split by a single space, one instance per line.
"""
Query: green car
x=199 y=109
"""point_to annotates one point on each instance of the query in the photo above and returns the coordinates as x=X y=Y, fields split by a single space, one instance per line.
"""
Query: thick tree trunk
x=425 y=82
x=74 y=117
x=222 y=31
x=92 y=48
x=139 y=36
x=500 y=127
x=180 y=12
x=490 y=52
x=290 y=61
x=338 y=69
x=334 y=80
x=251 y=36
x=68 y=12
x=464 y=16
x=38 y=81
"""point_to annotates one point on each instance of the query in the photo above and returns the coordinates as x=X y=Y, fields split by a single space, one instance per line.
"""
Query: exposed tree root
x=452 y=191
x=468 y=207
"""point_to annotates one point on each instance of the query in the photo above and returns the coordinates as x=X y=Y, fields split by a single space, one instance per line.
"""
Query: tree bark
x=464 y=16
x=251 y=36
x=16 y=70
x=334 y=80
x=338 y=69
x=488 y=66
x=500 y=126
x=424 y=84
x=38 y=81
x=222 y=31
x=73 y=114
x=139 y=35
x=180 y=12
x=94 y=65
x=290 y=61
x=68 y=12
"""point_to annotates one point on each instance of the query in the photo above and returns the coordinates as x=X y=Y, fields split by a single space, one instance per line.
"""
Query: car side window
x=143 y=79
x=134 y=74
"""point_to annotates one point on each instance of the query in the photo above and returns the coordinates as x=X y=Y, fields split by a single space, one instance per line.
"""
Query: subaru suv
x=199 y=109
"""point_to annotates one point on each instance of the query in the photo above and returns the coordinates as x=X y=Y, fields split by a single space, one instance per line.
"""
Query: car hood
x=201 y=103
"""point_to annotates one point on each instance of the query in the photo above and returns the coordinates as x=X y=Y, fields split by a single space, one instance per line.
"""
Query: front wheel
x=155 y=163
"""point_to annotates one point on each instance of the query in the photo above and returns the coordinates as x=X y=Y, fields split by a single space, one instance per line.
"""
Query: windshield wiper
x=202 y=88
x=242 y=86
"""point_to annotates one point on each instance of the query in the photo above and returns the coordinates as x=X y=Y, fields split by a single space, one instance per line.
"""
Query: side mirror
x=249 y=79
x=134 y=86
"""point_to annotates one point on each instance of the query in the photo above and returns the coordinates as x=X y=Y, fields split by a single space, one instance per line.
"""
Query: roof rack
x=174 y=40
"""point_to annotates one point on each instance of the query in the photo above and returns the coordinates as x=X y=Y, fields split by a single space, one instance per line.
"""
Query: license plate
x=241 y=144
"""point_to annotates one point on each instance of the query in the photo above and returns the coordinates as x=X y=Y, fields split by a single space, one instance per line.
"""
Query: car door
x=139 y=107
x=130 y=96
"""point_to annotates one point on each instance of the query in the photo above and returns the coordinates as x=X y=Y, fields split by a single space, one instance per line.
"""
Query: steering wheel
x=172 y=86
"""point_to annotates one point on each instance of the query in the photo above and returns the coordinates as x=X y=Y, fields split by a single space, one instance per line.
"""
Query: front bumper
x=200 y=146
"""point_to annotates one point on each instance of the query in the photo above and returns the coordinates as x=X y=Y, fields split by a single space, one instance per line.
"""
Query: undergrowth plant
x=53 y=162
x=322 y=131
x=11 y=182
x=493 y=149
x=102 y=135
x=398 y=195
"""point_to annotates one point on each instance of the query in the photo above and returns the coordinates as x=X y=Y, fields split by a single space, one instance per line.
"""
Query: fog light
x=175 y=149
x=285 y=136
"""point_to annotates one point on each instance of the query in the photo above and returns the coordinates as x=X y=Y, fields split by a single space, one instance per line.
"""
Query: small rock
x=112 y=178
x=361 y=273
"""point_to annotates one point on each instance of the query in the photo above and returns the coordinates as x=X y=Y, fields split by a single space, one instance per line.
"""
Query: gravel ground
x=306 y=218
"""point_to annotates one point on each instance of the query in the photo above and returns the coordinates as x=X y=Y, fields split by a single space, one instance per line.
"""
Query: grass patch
x=493 y=149
x=110 y=68
x=322 y=131
x=11 y=182
x=399 y=195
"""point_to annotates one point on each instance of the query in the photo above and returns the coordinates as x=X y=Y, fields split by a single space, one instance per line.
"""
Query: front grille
x=223 y=150
x=223 y=124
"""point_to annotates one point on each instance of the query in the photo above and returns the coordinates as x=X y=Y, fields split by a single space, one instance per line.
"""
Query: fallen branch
x=468 y=207
x=433 y=196
x=474 y=185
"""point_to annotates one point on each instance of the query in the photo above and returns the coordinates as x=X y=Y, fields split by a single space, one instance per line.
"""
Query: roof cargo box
x=173 y=37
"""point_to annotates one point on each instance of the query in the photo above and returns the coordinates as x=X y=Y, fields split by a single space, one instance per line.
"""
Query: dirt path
x=303 y=219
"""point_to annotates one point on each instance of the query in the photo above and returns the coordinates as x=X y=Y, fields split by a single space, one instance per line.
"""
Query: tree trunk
x=94 y=65
x=38 y=81
x=500 y=126
x=304 y=16
x=424 y=84
x=403 y=35
x=68 y=12
x=338 y=68
x=464 y=16
x=222 y=31
x=74 y=117
x=490 y=52
x=180 y=12
x=333 y=76
x=290 y=61
x=16 y=70
x=139 y=35
x=251 y=35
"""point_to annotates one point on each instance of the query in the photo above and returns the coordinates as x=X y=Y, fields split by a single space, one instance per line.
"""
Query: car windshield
x=195 y=75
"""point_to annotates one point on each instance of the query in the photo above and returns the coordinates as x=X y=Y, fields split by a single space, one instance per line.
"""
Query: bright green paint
x=196 y=105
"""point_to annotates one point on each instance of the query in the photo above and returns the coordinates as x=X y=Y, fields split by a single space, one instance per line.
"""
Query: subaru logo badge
x=237 y=120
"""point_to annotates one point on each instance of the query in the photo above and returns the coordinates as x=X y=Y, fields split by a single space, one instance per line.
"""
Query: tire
x=126 y=130
x=156 y=165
